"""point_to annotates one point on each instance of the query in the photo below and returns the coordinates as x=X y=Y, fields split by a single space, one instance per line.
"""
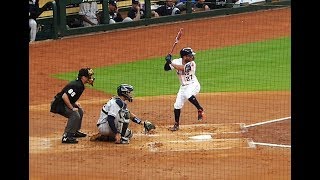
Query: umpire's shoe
x=69 y=139
x=79 y=134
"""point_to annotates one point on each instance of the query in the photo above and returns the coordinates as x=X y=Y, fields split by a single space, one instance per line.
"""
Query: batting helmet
x=125 y=90
x=187 y=51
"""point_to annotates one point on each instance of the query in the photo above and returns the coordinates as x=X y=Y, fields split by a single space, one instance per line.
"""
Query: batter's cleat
x=200 y=115
x=79 y=134
x=175 y=127
x=69 y=140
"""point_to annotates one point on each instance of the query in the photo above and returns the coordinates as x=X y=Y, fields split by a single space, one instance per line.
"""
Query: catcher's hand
x=148 y=126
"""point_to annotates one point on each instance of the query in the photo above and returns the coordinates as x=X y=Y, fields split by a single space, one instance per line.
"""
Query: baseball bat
x=176 y=40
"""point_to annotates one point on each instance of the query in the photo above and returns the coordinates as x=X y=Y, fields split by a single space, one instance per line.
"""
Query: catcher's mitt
x=148 y=126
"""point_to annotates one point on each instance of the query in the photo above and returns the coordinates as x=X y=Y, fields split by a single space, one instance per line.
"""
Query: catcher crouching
x=115 y=117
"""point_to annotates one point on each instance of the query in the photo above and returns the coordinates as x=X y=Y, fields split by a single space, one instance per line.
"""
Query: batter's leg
x=177 y=116
x=195 y=102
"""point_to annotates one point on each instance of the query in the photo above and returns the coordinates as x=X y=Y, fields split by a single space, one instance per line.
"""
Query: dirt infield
x=231 y=153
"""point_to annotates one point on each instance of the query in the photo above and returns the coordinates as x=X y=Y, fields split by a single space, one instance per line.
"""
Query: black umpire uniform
x=60 y=105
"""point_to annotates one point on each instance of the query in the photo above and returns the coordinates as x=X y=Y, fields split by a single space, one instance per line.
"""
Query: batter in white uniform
x=189 y=84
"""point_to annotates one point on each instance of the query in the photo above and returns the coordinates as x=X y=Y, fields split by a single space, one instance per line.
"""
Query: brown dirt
x=162 y=154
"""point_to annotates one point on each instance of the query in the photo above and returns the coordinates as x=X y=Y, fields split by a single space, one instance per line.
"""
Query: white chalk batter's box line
x=153 y=148
x=235 y=141
x=180 y=150
x=185 y=134
x=196 y=125
x=223 y=124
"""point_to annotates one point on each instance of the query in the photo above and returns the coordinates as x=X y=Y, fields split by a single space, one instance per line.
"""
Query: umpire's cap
x=87 y=72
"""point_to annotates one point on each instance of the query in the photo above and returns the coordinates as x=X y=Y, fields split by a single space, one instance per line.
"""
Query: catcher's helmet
x=125 y=90
x=186 y=51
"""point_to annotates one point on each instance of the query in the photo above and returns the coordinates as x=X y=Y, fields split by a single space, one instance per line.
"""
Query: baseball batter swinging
x=185 y=67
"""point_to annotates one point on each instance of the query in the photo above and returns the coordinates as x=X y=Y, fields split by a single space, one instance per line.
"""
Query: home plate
x=201 y=137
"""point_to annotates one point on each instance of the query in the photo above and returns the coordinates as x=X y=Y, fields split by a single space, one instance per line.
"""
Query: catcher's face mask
x=129 y=95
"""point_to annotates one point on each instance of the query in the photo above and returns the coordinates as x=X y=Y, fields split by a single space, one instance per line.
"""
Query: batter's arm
x=178 y=67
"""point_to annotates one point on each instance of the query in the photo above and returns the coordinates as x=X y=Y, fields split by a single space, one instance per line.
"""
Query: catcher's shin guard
x=125 y=132
x=124 y=128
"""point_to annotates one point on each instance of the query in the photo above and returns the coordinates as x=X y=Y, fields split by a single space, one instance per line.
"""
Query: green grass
x=259 y=66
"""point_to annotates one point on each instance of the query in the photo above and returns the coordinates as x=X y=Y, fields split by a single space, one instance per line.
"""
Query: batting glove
x=168 y=58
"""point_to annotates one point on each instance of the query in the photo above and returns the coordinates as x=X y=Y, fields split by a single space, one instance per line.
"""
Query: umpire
x=65 y=103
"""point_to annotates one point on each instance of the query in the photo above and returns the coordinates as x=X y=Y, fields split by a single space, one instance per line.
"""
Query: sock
x=177 y=115
x=195 y=102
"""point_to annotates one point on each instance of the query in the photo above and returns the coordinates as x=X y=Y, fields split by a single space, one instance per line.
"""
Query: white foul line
x=269 y=144
x=265 y=122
